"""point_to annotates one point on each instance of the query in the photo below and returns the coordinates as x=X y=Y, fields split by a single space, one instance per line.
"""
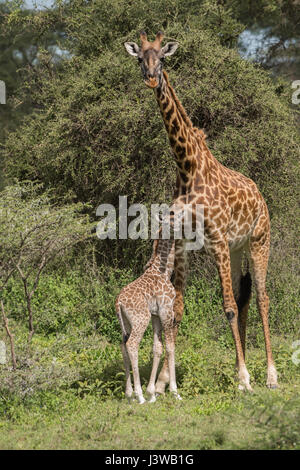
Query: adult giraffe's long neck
x=171 y=108
x=185 y=141
x=184 y=138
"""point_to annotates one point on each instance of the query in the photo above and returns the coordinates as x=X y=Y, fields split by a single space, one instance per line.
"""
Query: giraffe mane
x=200 y=134
x=154 y=253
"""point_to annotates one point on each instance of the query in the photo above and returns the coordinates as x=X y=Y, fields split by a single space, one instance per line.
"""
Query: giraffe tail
x=125 y=335
x=245 y=290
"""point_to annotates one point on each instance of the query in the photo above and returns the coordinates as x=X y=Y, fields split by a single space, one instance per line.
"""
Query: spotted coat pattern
x=152 y=295
x=236 y=218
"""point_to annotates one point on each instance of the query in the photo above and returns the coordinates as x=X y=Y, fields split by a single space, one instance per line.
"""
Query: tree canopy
x=95 y=132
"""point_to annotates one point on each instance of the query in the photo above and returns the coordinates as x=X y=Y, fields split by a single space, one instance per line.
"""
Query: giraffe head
x=151 y=56
x=170 y=222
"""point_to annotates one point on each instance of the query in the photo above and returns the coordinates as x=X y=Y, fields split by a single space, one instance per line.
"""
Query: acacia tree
x=95 y=132
x=277 y=22
x=34 y=231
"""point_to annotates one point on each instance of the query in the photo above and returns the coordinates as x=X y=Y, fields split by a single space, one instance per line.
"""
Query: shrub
x=33 y=231
x=95 y=132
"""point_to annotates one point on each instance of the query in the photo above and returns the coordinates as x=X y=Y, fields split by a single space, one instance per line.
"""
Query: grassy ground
x=248 y=423
x=76 y=401
x=68 y=389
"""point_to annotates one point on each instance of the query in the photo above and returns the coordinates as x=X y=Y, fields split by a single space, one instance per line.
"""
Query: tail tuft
x=125 y=338
x=125 y=335
x=245 y=291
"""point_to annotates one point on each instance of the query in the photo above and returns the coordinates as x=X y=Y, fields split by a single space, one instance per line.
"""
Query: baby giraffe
x=152 y=296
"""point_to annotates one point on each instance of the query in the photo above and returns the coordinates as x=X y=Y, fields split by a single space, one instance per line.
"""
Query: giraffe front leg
x=126 y=326
x=164 y=376
x=180 y=271
x=222 y=258
x=168 y=326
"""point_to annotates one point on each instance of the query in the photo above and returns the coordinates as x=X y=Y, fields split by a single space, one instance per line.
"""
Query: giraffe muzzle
x=151 y=82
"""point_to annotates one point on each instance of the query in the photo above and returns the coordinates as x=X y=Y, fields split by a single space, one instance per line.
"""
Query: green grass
x=70 y=395
x=265 y=420
x=68 y=389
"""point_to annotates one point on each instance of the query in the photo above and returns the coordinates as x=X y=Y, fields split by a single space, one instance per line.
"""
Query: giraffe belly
x=238 y=237
x=240 y=228
x=236 y=240
x=237 y=243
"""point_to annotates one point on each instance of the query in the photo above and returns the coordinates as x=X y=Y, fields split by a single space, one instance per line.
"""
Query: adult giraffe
x=236 y=218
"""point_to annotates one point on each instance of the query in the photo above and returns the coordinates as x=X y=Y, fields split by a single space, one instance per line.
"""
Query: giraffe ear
x=132 y=48
x=169 y=48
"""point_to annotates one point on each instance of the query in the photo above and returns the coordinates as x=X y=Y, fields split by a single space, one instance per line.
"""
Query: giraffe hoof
x=176 y=396
x=141 y=400
x=272 y=386
x=152 y=399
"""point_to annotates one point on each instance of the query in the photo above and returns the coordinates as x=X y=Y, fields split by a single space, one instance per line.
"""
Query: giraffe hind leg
x=157 y=352
x=259 y=250
x=139 y=321
x=164 y=376
x=126 y=328
x=180 y=275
